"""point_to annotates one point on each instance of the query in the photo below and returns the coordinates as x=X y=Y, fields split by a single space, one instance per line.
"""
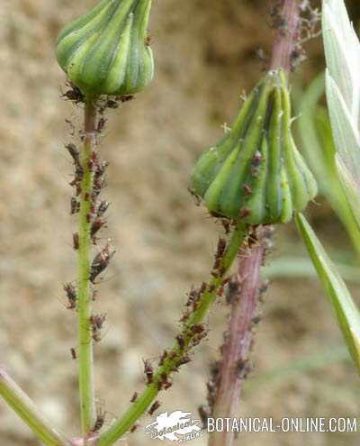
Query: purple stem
x=287 y=23
x=234 y=364
x=235 y=359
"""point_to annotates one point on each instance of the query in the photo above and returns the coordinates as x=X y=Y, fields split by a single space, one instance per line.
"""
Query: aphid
x=73 y=353
x=232 y=291
x=76 y=241
x=94 y=295
x=125 y=98
x=74 y=206
x=96 y=226
x=133 y=429
x=97 y=322
x=93 y=162
x=100 y=263
x=134 y=397
x=181 y=341
x=204 y=413
x=74 y=152
x=184 y=360
x=256 y=319
x=70 y=291
x=197 y=329
x=72 y=127
x=149 y=371
x=202 y=288
x=193 y=296
x=243 y=368
x=221 y=247
x=165 y=383
x=226 y=225
x=163 y=357
x=154 y=407
x=100 y=420
x=112 y=104
x=73 y=94
x=102 y=208
x=101 y=168
x=101 y=125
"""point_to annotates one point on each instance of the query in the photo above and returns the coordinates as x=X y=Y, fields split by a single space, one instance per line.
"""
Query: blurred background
x=206 y=56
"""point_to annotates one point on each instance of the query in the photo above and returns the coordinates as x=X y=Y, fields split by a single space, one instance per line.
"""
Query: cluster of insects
x=97 y=206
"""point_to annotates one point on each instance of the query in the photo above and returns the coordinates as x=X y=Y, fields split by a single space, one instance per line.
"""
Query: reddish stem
x=235 y=360
x=287 y=23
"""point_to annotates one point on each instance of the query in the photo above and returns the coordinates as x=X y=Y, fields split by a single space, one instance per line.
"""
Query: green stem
x=85 y=341
x=29 y=413
x=174 y=356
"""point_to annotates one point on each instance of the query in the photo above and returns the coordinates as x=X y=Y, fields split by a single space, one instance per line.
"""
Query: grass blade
x=346 y=311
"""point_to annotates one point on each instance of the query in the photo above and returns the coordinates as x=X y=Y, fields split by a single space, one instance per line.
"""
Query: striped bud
x=106 y=51
x=255 y=172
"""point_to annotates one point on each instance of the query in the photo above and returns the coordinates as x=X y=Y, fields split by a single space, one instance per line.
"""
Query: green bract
x=256 y=172
x=106 y=51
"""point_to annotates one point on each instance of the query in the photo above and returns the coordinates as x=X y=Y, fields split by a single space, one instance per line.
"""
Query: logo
x=177 y=427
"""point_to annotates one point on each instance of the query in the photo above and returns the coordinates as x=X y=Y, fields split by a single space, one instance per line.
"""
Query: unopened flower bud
x=255 y=172
x=106 y=51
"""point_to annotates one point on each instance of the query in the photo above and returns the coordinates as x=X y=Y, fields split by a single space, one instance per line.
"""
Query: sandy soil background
x=205 y=58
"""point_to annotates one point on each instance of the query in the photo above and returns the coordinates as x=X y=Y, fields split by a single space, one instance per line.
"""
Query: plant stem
x=178 y=352
x=233 y=369
x=287 y=35
x=235 y=359
x=29 y=413
x=85 y=341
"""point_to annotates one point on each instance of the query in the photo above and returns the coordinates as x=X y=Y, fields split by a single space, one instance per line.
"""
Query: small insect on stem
x=70 y=291
x=100 y=420
x=101 y=125
x=97 y=323
x=154 y=407
x=125 y=98
x=73 y=353
x=134 y=397
x=73 y=94
x=76 y=241
x=95 y=228
x=112 y=104
x=100 y=262
x=149 y=371
x=102 y=208
x=74 y=206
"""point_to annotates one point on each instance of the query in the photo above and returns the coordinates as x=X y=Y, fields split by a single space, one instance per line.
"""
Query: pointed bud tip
x=255 y=173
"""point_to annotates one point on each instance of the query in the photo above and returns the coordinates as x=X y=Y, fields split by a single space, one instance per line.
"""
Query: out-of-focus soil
x=205 y=58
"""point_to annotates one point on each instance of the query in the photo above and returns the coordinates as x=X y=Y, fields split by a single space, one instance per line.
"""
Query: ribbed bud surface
x=256 y=172
x=106 y=50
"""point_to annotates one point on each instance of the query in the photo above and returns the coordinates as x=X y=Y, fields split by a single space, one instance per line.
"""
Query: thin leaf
x=342 y=51
x=347 y=313
x=318 y=148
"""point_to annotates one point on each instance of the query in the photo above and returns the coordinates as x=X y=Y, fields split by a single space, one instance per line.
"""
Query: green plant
x=252 y=179
x=342 y=50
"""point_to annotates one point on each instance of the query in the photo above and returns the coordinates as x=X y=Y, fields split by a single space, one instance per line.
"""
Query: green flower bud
x=256 y=172
x=106 y=50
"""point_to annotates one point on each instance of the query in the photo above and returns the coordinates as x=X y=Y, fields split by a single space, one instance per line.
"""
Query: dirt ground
x=205 y=57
